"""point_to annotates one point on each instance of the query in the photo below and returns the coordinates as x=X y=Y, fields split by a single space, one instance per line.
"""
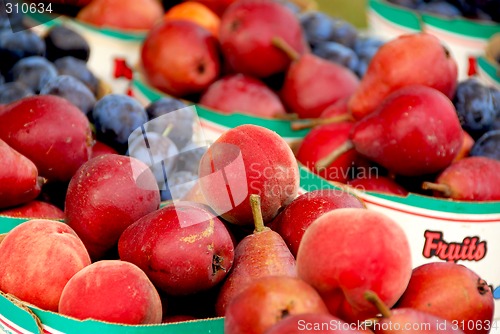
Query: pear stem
x=442 y=188
x=311 y=123
x=378 y=303
x=281 y=44
x=330 y=158
x=257 y=213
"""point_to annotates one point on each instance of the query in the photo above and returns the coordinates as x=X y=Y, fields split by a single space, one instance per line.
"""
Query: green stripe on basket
x=282 y=127
x=310 y=182
x=46 y=20
x=489 y=68
x=114 y=33
x=469 y=28
x=396 y=14
x=69 y=325
x=17 y=315
x=8 y=223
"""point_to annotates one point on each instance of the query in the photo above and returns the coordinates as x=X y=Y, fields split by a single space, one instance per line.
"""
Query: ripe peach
x=346 y=252
x=38 y=258
x=112 y=291
x=245 y=160
x=106 y=195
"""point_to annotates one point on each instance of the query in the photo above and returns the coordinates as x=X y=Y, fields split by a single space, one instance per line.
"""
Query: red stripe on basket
x=15 y=330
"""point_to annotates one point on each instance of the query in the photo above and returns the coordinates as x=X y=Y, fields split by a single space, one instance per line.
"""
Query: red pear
x=19 y=181
x=312 y=83
x=452 y=292
x=377 y=183
x=100 y=148
x=335 y=113
x=218 y=6
x=180 y=58
x=183 y=248
x=244 y=94
x=408 y=320
x=319 y=143
x=267 y=301
x=410 y=59
x=50 y=131
x=246 y=33
x=34 y=209
x=415 y=131
x=317 y=323
x=469 y=179
x=263 y=253
x=293 y=221
x=106 y=195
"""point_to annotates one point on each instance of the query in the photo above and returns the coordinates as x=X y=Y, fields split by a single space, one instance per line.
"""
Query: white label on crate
x=110 y=57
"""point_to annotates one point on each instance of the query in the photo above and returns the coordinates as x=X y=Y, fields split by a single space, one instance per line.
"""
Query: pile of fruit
x=238 y=240
x=311 y=66
x=121 y=258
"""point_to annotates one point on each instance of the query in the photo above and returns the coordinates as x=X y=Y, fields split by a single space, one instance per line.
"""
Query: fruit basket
x=17 y=317
x=437 y=229
x=429 y=223
x=465 y=38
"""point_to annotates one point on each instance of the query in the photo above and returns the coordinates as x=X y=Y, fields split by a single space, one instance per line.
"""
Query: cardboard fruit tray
x=466 y=39
x=432 y=226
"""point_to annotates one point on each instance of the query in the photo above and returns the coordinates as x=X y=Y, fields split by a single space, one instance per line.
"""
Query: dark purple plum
x=337 y=53
x=477 y=106
x=72 y=90
x=62 y=41
x=13 y=91
x=320 y=27
x=78 y=68
x=16 y=46
x=34 y=72
x=488 y=145
x=115 y=117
